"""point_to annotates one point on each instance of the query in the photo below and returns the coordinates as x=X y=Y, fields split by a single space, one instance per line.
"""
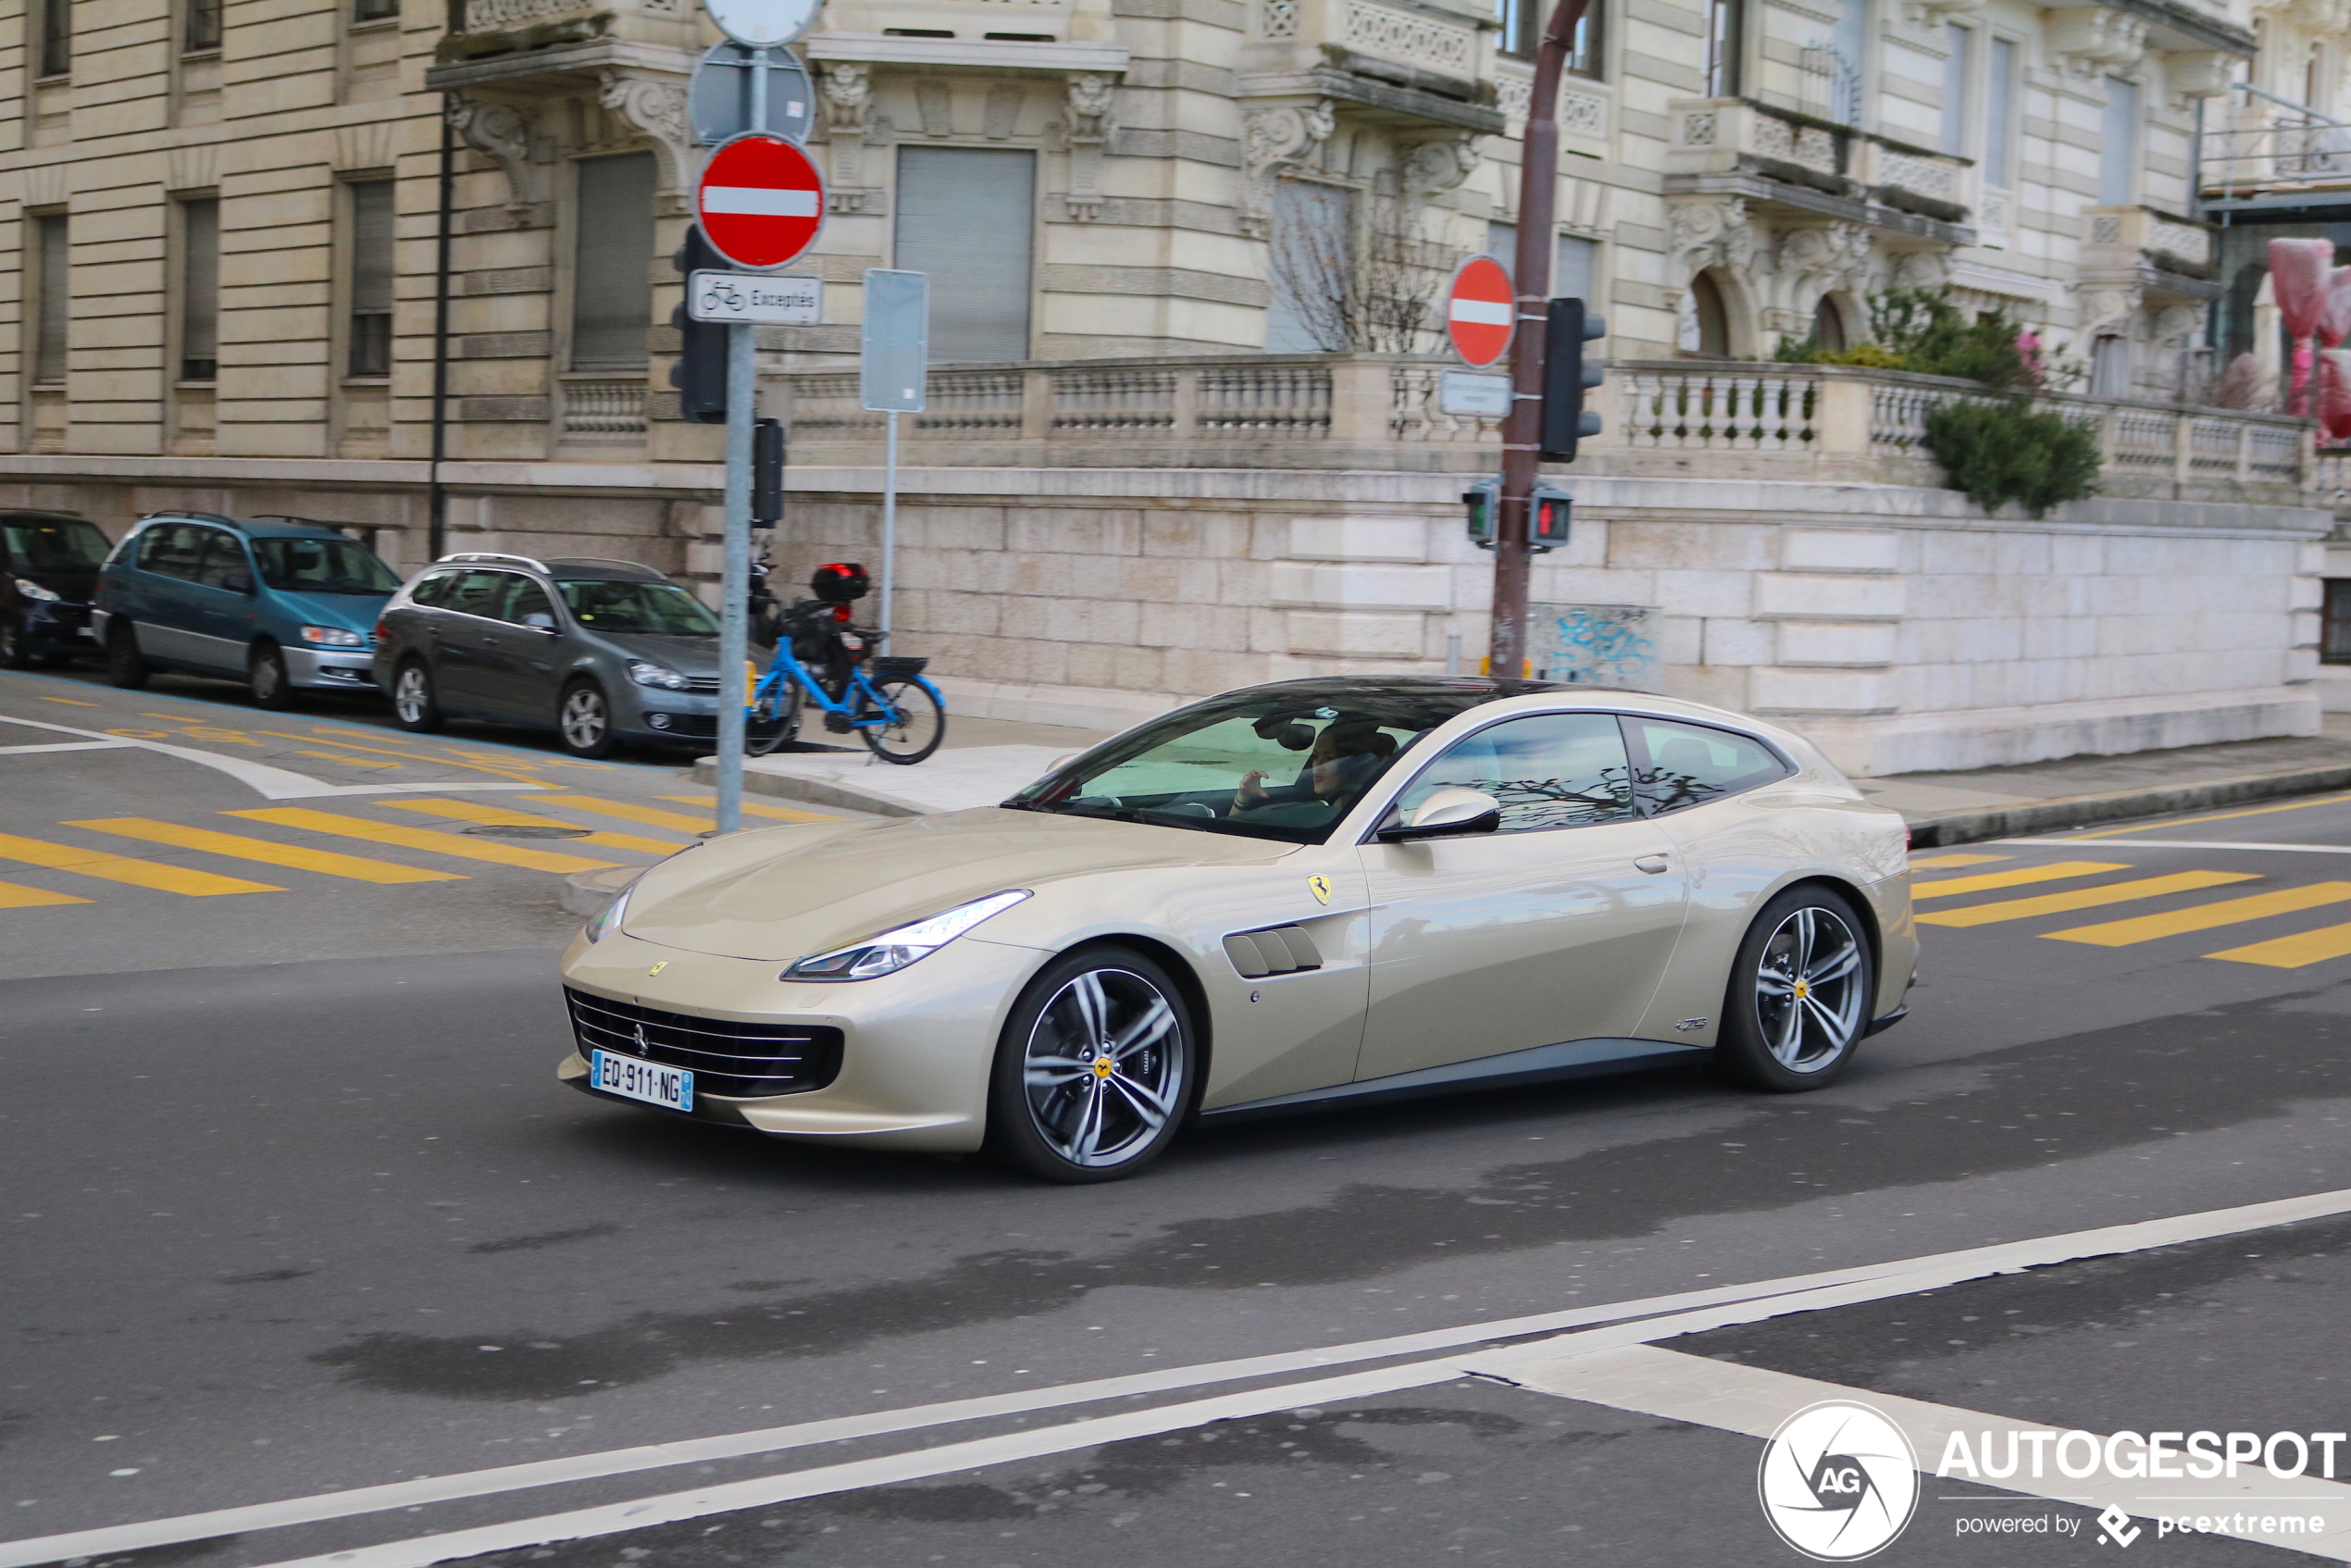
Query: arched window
x=1705 y=325
x=1828 y=326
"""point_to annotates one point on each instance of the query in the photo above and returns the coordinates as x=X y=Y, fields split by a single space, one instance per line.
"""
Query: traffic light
x=1567 y=377
x=766 y=473
x=700 y=374
x=1547 y=529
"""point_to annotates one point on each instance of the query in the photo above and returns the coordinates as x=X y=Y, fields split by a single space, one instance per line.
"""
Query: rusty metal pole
x=1531 y=277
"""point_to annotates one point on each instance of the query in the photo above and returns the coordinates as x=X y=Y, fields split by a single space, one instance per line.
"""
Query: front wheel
x=583 y=721
x=265 y=672
x=413 y=706
x=124 y=666
x=1095 y=1071
x=1799 y=993
x=913 y=723
x=773 y=718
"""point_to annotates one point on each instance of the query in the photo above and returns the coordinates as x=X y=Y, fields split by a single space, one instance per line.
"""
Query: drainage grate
x=526 y=830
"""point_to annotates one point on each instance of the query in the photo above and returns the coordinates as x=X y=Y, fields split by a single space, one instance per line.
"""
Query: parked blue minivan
x=283 y=605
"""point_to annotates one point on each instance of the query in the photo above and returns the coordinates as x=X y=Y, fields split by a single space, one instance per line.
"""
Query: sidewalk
x=984 y=760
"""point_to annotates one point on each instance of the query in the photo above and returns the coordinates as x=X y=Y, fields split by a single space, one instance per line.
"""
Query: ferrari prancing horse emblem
x=658 y=967
x=1321 y=888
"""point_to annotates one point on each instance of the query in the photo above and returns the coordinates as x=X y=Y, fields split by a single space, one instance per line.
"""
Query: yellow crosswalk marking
x=419 y=839
x=2056 y=871
x=1918 y=863
x=347 y=762
x=470 y=811
x=71 y=701
x=115 y=868
x=325 y=862
x=652 y=816
x=2294 y=951
x=755 y=808
x=16 y=895
x=2204 y=917
x=2084 y=898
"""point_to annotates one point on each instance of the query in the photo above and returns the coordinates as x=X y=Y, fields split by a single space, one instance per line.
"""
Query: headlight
x=645 y=674
x=333 y=637
x=611 y=914
x=33 y=591
x=893 y=951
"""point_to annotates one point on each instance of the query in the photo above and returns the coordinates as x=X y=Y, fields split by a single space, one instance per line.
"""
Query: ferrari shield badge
x=658 y=967
x=1321 y=888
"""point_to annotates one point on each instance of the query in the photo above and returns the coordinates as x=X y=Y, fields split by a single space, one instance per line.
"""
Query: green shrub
x=2003 y=451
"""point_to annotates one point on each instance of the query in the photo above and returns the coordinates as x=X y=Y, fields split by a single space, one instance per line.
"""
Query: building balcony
x=2173 y=260
x=1801 y=165
x=562 y=44
x=1403 y=63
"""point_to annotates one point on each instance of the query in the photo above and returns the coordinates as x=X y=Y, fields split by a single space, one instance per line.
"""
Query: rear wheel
x=773 y=718
x=265 y=671
x=124 y=666
x=414 y=705
x=914 y=723
x=1799 y=993
x=583 y=720
x=1095 y=1071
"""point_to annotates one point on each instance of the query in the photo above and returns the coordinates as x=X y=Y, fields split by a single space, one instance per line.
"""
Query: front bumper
x=59 y=627
x=347 y=669
x=916 y=1046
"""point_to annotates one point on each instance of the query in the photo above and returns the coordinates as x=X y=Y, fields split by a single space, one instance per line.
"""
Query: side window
x=433 y=589
x=170 y=550
x=1687 y=765
x=1548 y=770
x=523 y=599
x=222 y=562
x=477 y=593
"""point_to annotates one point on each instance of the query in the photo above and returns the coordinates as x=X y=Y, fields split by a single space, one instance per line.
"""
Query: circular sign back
x=1481 y=311
x=760 y=201
x=718 y=95
x=762 y=21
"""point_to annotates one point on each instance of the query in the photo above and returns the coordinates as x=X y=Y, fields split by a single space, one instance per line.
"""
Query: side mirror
x=1446 y=812
x=540 y=620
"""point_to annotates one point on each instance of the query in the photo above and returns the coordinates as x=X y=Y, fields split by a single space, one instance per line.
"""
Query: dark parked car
x=48 y=574
x=600 y=651
x=285 y=606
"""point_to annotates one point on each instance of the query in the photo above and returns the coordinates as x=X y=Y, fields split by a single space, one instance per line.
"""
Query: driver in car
x=1346 y=756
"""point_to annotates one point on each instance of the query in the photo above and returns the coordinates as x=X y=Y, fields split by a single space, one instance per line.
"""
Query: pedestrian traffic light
x=700 y=374
x=766 y=473
x=1567 y=376
x=1547 y=527
x=1483 y=500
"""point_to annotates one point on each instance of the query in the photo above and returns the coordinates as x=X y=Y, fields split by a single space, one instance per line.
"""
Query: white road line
x=1735 y=1303
x=270 y=783
x=2177 y=844
x=1754 y=1401
x=67 y=746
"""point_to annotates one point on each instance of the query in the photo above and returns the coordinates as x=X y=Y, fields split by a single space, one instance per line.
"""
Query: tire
x=415 y=707
x=1799 y=993
x=583 y=720
x=265 y=673
x=14 y=651
x=124 y=666
x=779 y=708
x=921 y=726
x=1077 y=1111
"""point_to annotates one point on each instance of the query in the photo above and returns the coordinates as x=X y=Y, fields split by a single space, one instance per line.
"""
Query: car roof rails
x=307 y=522
x=493 y=555
x=605 y=560
x=188 y=514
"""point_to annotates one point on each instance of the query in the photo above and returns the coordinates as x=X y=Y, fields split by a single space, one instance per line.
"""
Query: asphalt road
x=295 y=1206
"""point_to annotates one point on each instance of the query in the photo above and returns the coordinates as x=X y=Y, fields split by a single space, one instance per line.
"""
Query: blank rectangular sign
x=894 y=351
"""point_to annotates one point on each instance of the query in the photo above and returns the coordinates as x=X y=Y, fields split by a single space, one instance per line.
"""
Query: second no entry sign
x=760 y=201
x=1481 y=310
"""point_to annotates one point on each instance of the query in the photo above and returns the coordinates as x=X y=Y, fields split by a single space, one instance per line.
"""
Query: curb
x=806 y=791
x=2076 y=810
x=587 y=892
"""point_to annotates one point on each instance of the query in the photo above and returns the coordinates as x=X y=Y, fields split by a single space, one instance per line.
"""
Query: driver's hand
x=1251 y=792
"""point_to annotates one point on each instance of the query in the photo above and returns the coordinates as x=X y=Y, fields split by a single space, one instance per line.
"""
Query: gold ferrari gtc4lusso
x=1302 y=894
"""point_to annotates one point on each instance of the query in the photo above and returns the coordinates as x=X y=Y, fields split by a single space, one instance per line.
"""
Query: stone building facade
x=1171 y=241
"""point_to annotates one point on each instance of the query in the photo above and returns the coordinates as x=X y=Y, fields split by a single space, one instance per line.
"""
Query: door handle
x=1652 y=864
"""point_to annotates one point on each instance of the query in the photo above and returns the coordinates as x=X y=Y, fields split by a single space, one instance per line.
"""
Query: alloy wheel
x=1103 y=1069
x=410 y=697
x=584 y=720
x=1809 y=990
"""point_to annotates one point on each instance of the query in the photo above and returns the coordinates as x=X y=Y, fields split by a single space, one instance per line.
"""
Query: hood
x=351 y=612
x=77 y=587
x=687 y=656
x=787 y=892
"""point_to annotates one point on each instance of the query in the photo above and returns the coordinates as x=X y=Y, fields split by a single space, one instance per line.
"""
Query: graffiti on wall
x=1609 y=645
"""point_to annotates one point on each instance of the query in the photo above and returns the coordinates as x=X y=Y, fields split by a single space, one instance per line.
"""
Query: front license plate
x=631 y=1080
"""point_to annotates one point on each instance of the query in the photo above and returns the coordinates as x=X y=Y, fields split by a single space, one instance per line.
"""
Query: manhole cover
x=526 y=830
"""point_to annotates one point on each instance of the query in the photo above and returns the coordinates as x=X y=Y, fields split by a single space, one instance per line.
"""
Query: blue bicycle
x=885 y=701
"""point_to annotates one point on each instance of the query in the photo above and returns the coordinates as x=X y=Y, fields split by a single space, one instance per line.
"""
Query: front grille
x=736 y=1059
x=702 y=683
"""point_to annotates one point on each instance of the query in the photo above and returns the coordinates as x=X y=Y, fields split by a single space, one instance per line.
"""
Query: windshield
x=63 y=546
x=322 y=566
x=662 y=608
x=1283 y=762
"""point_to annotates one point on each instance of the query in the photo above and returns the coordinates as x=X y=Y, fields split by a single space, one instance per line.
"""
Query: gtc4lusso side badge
x=1687 y=1024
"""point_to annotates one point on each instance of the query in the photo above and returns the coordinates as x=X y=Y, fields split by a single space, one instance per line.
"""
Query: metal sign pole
x=734 y=582
x=890 y=518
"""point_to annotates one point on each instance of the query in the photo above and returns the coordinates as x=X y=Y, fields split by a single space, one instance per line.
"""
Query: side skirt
x=1544 y=1063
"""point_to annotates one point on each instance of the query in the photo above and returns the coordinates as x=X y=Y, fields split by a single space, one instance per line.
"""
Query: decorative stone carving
x=2092 y=39
x=1929 y=270
x=848 y=99
x=935 y=102
x=1088 y=127
x=1709 y=232
x=2202 y=73
x=656 y=105
x=502 y=134
x=1289 y=136
x=1817 y=261
x=2109 y=312
x=1429 y=168
x=1932 y=13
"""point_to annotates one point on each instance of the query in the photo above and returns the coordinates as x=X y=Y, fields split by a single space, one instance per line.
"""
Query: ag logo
x=1838 y=1481
x=1321 y=888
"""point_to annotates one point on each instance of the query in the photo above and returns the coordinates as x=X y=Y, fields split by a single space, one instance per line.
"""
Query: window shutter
x=57 y=292
x=199 y=289
x=612 y=291
x=966 y=217
x=371 y=238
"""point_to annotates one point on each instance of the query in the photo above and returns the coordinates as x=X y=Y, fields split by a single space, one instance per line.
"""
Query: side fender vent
x=1281 y=950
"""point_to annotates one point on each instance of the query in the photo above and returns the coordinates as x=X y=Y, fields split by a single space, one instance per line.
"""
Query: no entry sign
x=1481 y=311
x=760 y=201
